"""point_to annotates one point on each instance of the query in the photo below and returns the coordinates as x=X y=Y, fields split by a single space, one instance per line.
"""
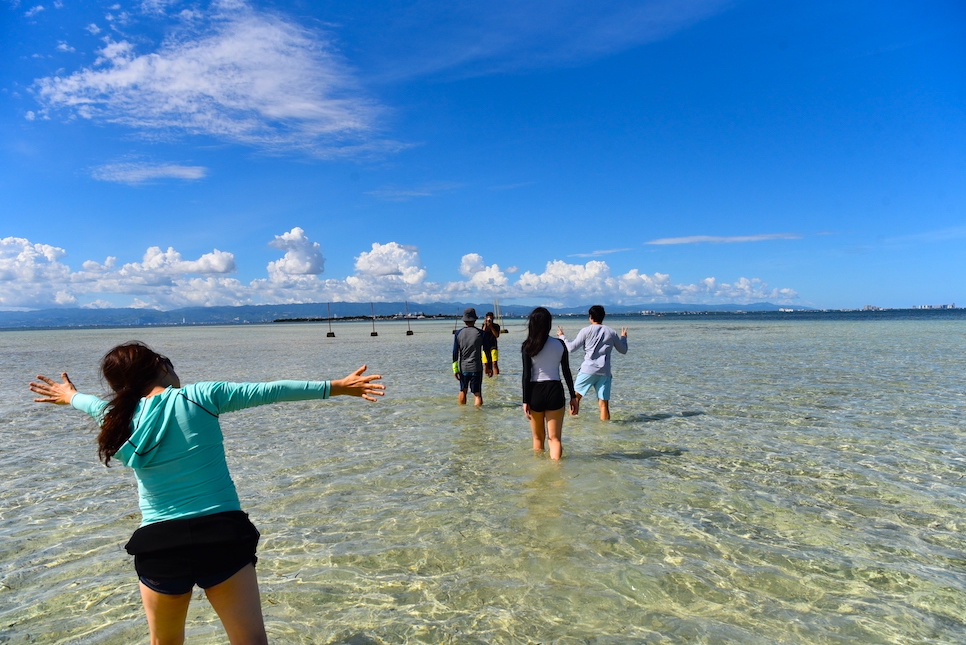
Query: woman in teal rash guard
x=193 y=530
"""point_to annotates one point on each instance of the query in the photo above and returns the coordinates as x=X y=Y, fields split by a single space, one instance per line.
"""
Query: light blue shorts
x=599 y=382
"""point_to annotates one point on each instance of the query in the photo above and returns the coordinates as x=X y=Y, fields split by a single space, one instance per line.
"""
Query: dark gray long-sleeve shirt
x=468 y=349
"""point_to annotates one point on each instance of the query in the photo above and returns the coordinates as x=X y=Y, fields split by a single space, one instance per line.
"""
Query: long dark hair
x=130 y=370
x=538 y=331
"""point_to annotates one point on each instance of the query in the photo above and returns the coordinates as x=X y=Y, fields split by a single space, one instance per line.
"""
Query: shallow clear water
x=762 y=481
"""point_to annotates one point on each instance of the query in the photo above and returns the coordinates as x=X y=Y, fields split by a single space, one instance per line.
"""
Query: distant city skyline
x=165 y=154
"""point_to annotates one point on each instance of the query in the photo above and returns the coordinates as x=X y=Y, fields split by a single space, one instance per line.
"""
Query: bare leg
x=604 y=410
x=166 y=615
x=496 y=367
x=538 y=430
x=555 y=420
x=462 y=397
x=478 y=400
x=237 y=603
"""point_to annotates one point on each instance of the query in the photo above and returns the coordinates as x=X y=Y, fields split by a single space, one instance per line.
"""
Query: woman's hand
x=357 y=385
x=526 y=410
x=51 y=391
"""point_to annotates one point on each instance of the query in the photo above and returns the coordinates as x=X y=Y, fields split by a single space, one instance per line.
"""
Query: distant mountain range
x=251 y=314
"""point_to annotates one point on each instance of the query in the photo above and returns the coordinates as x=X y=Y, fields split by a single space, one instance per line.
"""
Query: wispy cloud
x=463 y=37
x=396 y=194
x=139 y=173
x=597 y=254
x=239 y=75
x=731 y=239
x=521 y=184
x=940 y=235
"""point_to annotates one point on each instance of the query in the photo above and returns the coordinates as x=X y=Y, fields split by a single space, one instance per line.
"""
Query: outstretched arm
x=51 y=391
x=358 y=385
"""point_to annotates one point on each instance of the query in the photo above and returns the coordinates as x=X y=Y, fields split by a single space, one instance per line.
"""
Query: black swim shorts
x=472 y=381
x=546 y=396
x=204 y=550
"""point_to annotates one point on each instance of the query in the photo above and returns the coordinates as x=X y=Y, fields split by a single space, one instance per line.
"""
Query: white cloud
x=93 y=29
x=732 y=239
x=33 y=11
x=471 y=263
x=394 y=194
x=157 y=6
x=559 y=279
x=171 y=263
x=139 y=173
x=98 y=304
x=31 y=275
x=35 y=275
x=462 y=37
x=521 y=184
x=941 y=235
x=597 y=254
x=302 y=256
x=249 y=77
x=482 y=278
x=391 y=259
x=64 y=47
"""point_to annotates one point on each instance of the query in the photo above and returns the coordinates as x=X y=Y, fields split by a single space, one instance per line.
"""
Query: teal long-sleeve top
x=177 y=448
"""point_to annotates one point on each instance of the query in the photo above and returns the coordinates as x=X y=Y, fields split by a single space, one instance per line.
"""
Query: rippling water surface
x=762 y=481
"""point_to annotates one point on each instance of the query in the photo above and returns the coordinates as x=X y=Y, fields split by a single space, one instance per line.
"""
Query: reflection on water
x=793 y=482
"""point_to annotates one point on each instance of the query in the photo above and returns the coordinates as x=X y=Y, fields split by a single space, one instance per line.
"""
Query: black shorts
x=547 y=395
x=202 y=550
x=472 y=381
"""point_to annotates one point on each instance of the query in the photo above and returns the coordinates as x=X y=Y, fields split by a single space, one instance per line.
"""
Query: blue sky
x=167 y=154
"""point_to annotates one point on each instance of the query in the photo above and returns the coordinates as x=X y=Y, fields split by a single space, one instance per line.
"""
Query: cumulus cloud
x=391 y=259
x=139 y=173
x=483 y=279
x=302 y=256
x=471 y=263
x=170 y=262
x=240 y=75
x=732 y=239
x=36 y=275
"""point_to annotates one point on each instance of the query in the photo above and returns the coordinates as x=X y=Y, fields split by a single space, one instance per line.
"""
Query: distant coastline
x=388 y=311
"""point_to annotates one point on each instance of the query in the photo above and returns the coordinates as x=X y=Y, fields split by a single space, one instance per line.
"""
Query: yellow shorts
x=494 y=352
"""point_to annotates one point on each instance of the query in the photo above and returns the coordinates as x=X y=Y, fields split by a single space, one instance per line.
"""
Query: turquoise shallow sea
x=765 y=479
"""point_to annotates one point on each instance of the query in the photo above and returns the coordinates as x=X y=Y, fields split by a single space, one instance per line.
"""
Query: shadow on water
x=647 y=418
x=644 y=454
